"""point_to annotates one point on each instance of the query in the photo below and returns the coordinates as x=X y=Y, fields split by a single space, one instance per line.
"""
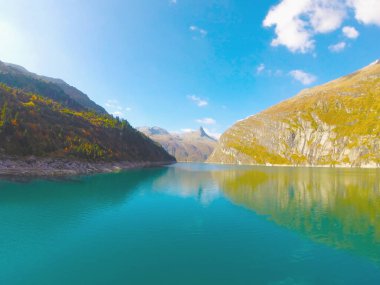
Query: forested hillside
x=31 y=124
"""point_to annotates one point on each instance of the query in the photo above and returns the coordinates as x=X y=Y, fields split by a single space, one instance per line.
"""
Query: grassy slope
x=350 y=106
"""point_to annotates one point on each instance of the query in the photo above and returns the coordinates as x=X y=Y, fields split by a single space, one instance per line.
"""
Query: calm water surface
x=194 y=224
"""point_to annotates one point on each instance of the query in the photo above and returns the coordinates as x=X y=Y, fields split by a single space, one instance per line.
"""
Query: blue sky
x=185 y=63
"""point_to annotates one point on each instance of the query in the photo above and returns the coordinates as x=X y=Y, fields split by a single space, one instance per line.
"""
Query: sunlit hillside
x=333 y=124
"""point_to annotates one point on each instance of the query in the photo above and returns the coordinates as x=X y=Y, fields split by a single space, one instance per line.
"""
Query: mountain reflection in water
x=337 y=207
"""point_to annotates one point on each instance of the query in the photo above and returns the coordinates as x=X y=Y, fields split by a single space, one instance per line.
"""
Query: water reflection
x=189 y=180
x=338 y=207
x=146 y=227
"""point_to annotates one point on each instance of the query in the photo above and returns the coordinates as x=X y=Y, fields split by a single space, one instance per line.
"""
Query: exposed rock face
x=336 y=124
x=185 y=147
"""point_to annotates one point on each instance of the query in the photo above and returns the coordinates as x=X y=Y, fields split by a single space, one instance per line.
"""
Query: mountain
x=37 y=125
x=193 y=146
x=18 y=77
x=153 y=131
x=335 y=124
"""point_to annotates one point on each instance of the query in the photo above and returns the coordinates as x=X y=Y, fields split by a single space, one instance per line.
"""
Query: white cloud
x=114 y=104
x=326 y=15
x=303 y=77
x=199 y=31
x=206 y=121
x=297 y=22
x=199 y=101
x=212 y=133
x=187 y=130
x=173 y=2
x=260 y=68
x=350 y=32
x=289 y=27
x=366 y=11
x=338 y=47
x=117 y=114
x=263 y=70
x=116 y=109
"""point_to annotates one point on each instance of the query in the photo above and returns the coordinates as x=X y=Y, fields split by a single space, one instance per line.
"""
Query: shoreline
x=37 y=167
x=60 y=167
x=339 y=166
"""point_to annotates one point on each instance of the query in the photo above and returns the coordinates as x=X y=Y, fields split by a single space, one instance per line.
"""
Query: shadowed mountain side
x=337 y=123
x=52 y=88
x=31 y=124
x=193 y=146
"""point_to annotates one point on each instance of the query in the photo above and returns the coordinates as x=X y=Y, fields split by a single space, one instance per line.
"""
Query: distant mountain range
x=195 y=146
x=46 y=117
x=337 y=123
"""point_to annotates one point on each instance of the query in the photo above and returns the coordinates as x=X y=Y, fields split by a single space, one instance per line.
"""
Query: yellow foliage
x=29 y=104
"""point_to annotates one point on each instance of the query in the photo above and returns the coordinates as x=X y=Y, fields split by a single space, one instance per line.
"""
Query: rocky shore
x=56 y=167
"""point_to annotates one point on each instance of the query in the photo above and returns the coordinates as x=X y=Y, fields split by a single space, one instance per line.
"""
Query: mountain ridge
x=17 y=76
x=60 y=133
x=334 y=124
x=194 y=146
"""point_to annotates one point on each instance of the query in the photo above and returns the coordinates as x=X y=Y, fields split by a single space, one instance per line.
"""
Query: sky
x=182 y=64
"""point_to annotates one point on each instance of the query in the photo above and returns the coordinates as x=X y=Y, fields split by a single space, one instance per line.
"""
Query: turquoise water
x=193 y=224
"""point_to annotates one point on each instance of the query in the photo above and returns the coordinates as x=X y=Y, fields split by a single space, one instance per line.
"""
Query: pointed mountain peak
x=202 y=132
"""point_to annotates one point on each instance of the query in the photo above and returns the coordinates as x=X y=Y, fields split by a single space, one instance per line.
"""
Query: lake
x=194 y=224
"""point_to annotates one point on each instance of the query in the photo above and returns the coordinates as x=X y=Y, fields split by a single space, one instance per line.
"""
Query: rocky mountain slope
x=335 y=124
x=186 y=147
x=18 y=77
x=55 y=125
